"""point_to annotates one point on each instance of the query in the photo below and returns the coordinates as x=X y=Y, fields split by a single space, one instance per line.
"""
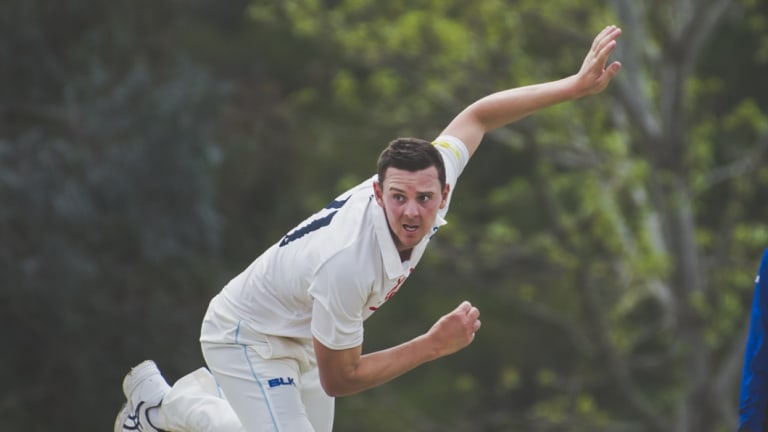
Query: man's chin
x=410 y=240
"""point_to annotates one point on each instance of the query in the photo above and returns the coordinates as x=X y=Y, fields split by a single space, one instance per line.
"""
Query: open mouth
x=410 y=228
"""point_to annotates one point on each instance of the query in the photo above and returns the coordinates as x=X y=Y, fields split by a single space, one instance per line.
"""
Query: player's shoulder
x=333 y=225
x=350 y=249
x=453 y=146
x=348 y=217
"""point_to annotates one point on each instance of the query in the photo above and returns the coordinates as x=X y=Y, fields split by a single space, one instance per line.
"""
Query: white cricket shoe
x=144 y=388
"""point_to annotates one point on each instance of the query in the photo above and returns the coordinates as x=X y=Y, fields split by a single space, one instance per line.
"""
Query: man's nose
x=411 y=209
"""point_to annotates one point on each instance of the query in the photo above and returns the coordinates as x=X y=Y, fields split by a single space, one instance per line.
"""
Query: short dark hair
x=411 y=154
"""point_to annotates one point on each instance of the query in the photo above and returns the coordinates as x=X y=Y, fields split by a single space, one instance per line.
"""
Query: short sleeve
x=337 y=309
x=455 y=158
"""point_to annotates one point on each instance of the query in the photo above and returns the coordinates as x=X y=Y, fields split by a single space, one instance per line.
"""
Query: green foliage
x=581 y=210
x=107 y=156
x=148 y=151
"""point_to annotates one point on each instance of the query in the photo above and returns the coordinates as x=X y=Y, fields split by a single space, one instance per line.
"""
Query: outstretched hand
x=594 y=75
x=455 y=330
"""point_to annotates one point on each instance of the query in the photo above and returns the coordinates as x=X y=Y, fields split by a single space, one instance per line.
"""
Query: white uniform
x=322 y=280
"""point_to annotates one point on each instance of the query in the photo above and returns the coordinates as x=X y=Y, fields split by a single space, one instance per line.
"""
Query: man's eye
x=398 y=197
x=424 y=198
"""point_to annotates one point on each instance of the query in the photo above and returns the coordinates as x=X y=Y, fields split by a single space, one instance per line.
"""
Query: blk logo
x=277 y=382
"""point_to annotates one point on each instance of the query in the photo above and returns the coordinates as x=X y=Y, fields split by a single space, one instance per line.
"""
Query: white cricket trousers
x=260 y=383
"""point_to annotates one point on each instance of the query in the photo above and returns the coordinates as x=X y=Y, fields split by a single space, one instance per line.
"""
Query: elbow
x=333 y=392
x=336 y=387
x=333 y=389
x=338 y=369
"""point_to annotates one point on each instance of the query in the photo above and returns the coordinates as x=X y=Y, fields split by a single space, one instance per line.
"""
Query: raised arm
x=504 y=107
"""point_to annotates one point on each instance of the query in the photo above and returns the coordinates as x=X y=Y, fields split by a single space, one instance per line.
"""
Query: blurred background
x=150 y=149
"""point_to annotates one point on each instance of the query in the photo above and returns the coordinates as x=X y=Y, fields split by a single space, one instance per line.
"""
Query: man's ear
x=378 y=193
x=446 y=191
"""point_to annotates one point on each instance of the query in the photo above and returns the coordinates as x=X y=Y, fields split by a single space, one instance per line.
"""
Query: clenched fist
x=455 y=330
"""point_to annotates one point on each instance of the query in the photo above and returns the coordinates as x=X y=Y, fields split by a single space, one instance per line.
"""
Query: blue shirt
x=753 y=401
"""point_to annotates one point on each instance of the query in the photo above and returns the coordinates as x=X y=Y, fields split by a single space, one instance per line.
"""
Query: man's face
x=410 y=201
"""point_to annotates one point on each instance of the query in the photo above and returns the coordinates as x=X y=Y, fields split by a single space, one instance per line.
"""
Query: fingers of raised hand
x=603 y=44
x=599 y=37
x=605 y=38
x=594 y=73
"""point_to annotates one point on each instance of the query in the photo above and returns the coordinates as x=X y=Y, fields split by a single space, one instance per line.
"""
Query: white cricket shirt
x=331 y=272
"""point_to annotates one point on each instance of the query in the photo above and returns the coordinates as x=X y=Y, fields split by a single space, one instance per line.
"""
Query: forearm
x=507 y=106
x=376 y=368
x=345 y=372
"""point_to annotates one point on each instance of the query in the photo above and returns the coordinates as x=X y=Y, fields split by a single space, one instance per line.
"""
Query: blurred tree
x=108 y=223
x=138 y=150
x=623 y=233
x=149 y=150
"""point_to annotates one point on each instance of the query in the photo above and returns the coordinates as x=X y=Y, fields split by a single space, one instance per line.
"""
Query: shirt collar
x=392 y=263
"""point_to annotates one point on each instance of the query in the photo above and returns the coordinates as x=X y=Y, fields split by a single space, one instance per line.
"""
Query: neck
x=405 y=255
